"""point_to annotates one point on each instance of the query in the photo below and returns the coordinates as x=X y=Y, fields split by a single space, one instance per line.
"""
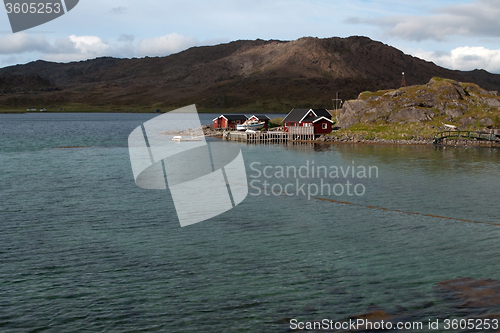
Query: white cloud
x=75 y=48
x=22 y=42
x=476 y=19
x=90 y=44
x=165 y=45
x=465 y=58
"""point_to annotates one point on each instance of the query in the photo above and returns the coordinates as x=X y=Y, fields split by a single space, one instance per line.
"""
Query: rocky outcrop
x=412 y=114
x=351 y=111
x=465 y=105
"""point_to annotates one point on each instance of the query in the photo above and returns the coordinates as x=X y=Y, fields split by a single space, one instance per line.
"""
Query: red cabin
x=229 y=121
x=321 y=119
x=261 y=118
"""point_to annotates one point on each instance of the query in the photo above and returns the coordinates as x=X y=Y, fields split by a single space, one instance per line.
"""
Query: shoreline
x=329 y=139
x=379 y=142
x=371 y=142
x=322 y=139
x=353 y=139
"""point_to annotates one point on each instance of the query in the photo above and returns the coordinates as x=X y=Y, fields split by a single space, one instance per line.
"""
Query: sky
x=457 y=34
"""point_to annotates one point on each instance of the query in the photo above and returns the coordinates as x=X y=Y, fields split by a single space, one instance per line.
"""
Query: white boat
x=31 y=109
x=250 y=125
x=186 y=138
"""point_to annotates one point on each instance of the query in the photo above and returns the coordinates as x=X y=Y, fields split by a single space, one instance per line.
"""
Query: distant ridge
x=242 y=75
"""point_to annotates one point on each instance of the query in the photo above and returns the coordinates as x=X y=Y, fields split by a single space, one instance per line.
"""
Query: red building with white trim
x=261 y=118
x=229 y=121
x=321 y=119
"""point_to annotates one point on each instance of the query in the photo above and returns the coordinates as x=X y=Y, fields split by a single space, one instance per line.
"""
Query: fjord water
x=83 y=249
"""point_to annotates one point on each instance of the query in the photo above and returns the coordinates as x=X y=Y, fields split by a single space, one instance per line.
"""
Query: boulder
x=467 y=121
x=354 y=107
x=350 y=112
x=486 y=122
x=411 y=114
x=454 y=113
x=490 y=101
x=453 y=109
x=394 y=93
x=427 y=100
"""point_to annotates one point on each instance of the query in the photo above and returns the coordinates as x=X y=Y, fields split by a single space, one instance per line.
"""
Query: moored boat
x=250 y=125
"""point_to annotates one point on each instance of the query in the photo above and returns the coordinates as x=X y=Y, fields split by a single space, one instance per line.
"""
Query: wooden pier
x=293 y=134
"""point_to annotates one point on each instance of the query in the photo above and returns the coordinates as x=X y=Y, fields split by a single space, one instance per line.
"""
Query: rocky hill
x=242 y=75
x=465 y=105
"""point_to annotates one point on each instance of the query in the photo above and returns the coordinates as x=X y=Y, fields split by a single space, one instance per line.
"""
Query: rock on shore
x=207 y=130
x=360 y=139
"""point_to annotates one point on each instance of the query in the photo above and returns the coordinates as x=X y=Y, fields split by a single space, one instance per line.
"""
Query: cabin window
x=324 y=126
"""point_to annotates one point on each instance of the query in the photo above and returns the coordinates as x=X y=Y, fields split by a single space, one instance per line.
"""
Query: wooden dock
x=293 y=134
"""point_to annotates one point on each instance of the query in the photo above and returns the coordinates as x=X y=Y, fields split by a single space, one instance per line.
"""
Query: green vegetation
x=388 y=131
x=276 y=122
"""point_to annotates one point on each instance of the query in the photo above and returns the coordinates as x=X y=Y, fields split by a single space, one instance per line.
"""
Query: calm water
x=83 y=249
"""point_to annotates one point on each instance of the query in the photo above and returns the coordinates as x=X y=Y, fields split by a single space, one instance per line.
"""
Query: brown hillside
x=268 y=75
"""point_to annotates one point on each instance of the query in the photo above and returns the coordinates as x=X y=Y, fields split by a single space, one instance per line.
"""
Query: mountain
x=242 y=75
